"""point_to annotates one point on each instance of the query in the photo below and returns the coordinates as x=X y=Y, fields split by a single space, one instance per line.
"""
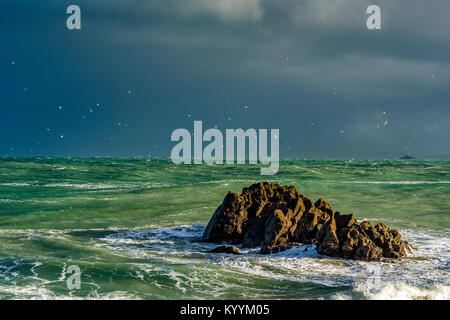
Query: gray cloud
x=296 y=62
x=305 y=42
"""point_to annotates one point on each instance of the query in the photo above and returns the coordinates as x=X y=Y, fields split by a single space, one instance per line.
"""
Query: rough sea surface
x=133 y=225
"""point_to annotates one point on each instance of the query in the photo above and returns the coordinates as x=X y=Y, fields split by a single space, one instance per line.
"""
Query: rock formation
x=225 y=249
x=278 y=217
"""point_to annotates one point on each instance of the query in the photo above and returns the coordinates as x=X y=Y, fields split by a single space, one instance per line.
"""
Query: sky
x=138 y=70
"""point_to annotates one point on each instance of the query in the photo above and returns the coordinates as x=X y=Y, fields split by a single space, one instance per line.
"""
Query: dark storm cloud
x=310 y=68
x=320 y=39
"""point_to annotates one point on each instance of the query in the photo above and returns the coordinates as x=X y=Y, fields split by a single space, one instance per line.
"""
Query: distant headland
x=407 y=157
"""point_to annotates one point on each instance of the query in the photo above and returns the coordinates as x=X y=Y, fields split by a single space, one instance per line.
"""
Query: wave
x=92 y=186
x=374 y=280
x=37 y=292
x=88 y=186
x=173 y=258
x=183 y=232
x=403 y=291
x=398 y=182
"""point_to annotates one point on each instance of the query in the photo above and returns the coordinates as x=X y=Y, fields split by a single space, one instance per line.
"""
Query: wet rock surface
x=225 y=249
x=276 y=218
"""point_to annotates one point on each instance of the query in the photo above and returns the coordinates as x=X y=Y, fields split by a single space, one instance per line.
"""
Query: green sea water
x=132 y=226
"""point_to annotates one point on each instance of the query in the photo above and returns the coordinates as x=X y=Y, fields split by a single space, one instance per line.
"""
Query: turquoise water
x=132 y=226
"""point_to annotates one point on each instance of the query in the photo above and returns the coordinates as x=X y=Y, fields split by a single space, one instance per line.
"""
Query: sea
x=130 y=228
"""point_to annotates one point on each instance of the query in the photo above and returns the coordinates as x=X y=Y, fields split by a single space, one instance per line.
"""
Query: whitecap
x=396 y=182
x=402 y=291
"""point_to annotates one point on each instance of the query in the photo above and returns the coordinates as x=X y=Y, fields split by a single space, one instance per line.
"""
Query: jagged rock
x=226 y=249
x=277 y=217
x=343 y=236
